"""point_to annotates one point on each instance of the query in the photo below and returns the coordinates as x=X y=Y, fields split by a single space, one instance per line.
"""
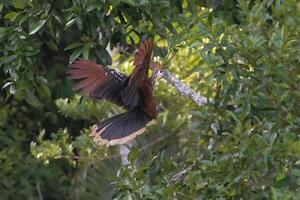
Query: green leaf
x=35 y=27
x=274 y=193
x=7 y=59
x=129 y=2
x=52 y=46
x=297 y=162
x=86 y=51
x=43 y=90
x=272 y=139
x=32 y=100
x=70 y=23
x=7 y=84
x=277 y=10
x=3 y=31
x=143 y=2
x=19 y=4
x=295 y=172
x=132 y=156
x=75 y=54
x=73 y=45
x=11 y=16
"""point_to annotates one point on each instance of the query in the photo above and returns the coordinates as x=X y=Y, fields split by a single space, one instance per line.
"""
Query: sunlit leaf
x=36 y=26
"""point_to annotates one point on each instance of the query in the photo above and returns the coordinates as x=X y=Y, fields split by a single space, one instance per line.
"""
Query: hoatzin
x=134 y=92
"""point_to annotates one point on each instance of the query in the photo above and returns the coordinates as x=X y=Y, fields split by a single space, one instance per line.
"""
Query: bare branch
x=184 y=89
x=124 y=150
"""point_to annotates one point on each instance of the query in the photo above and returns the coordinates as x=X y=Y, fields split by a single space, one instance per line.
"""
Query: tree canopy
x=242 y=55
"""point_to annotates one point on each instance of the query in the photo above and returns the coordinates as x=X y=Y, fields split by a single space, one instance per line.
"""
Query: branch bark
x=184 y=89
x=124 y=150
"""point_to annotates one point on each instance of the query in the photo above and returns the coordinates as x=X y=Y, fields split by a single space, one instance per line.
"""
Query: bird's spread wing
x=131 y=96
x=97 y=81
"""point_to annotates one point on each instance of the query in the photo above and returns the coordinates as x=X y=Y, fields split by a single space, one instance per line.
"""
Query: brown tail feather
x=121 y=128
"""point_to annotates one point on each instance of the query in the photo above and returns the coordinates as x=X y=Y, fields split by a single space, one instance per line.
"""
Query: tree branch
x=124 y=150
x=184 y=89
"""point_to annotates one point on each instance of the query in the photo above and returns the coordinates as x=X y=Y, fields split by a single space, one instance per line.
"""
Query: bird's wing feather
x=143 y=54
x=131 y=95
x=97 y=81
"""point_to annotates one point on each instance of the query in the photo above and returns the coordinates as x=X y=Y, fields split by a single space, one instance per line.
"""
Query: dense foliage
x=243 y=55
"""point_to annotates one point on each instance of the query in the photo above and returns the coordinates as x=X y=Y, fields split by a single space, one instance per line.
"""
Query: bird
x=134 y=92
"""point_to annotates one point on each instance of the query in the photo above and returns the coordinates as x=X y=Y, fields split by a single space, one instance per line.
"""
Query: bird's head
x=158 y=72
x=157 y=69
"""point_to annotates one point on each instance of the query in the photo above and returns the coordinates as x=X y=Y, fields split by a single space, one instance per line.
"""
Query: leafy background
x=244 y=144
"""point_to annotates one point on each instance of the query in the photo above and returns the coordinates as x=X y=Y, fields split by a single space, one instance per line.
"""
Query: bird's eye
x=160 y=74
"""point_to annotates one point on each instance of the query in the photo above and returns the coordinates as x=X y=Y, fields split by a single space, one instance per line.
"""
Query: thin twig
x=38 y=188
x=177 y=177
